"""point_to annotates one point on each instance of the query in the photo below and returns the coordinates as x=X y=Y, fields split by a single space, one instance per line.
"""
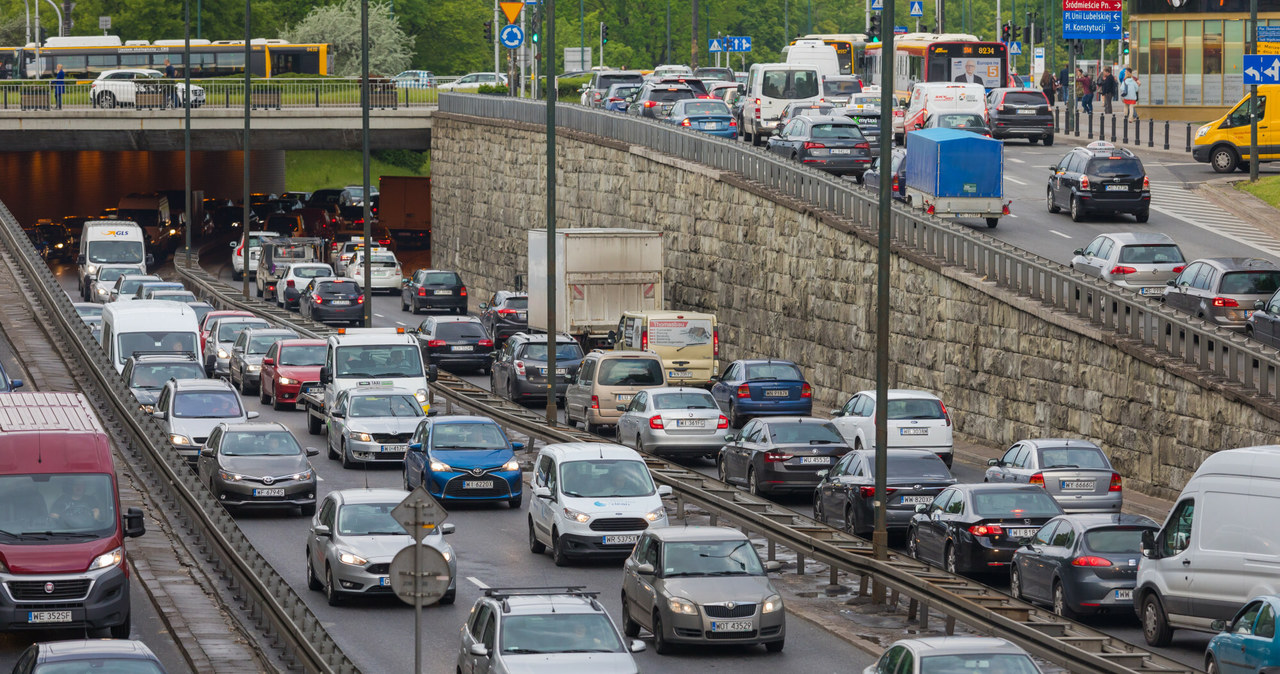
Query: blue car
x=464 y=458
x=758 y=388
x=618 y=97
x=8 y=385
x=708 y=116
x=1247 y=642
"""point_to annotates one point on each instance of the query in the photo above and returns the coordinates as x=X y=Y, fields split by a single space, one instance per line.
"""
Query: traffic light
x=1013 y=32
x=488 y=31
x=533 y=34
x=1004 y=33
x=1124 y=46
x=873 y=32
x=604 y=33
x=1026 y=33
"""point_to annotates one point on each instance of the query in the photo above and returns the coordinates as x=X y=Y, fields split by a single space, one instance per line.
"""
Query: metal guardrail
x=265 y=592
x=1221 y=352
x=1071 y=645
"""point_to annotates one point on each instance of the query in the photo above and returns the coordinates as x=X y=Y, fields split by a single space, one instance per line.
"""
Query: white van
x=1219 y=547
x=814 y=53
x=592 y=499
x=113 y=242
x=770 y=87
x=148 y=326
x=930 y=98
x=688 y=342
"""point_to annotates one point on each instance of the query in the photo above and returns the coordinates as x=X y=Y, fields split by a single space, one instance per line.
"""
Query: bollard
x=1077 y=125
x=1126 y=130
x=799 y=564
x=317 y=93
x=950 y=629
x=773 y=551
x=1113 y=128
x=1057 y=117
x=1188 y=136
x=1137 y=132
x=862 y=585
x=1151 y=133
x=913 y=608
x=924 y=614
x=1090 y=136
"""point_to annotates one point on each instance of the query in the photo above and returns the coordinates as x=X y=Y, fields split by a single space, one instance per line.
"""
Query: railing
x=1219 y=351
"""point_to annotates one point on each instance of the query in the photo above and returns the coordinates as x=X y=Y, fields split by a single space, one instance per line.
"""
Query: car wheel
x=949 y=557
x=753 y=485
x=775 y=646
x=333 y=455
x=722 y=470
x=913 y=547
x=818 y=513
x=1048 y=140
x=660 y=644
x=313 y=427
x=279 y=406
x=404 y=480
x=237 y=276
x=1223 y=159
x=348 y=461
x=630 y=627
x=262 y=394
x=1077 y=210
x=313 y=583
x=1210 y=665
x=449 y=597
x=404 y=306
x=246 y=389
x=992 y=222
x=1142 y=216
x=1015 y=583
x=1060 y=605
x=515 y=501
x=736 y=420
x=558 y=554
x=106 y=100
x=331 y=591
x=122 y=630
x=535 y=546
x=851 y=521
x=1155 y=626
x=308 y=510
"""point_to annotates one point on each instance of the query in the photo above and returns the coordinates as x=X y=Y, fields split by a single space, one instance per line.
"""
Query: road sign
x=1268 y=33
x=512 y=10
x=917 y=8
x=1090 y=25
x=512 y=36
x=1037 y=61
x=899 y=30
x=877 y=5
x=1269 y=48
x=739 y=43
x=1015 y=48
x=419 y=513
x=421 y=583
x=1261 y=69
x=715 y=44
x=104 y=22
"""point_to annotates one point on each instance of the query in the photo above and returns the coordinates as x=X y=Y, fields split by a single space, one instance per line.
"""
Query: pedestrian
x=171 y=73
x=1084 y=91
x=1107 y=89
x=1064 y=81
x=1047 y=85
x=1129 y=94
x=59 y=85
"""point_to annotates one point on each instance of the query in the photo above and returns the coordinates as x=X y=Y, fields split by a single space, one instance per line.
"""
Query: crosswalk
x=1192 y=208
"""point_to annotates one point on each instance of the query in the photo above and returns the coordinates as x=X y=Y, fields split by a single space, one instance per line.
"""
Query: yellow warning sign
x=512 y=10
x=1269 y=48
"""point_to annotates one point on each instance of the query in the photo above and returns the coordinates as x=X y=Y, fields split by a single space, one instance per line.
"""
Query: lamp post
x=364 y=148
x=244 y=224
x=186 y=117
x=880 y=536
x=552 y=92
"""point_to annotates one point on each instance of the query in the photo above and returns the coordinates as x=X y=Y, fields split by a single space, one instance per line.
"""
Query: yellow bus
x=84 y=57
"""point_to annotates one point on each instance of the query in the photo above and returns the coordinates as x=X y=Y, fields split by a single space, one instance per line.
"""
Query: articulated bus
x=84 y=57
x=849 y=47
x=932 y=57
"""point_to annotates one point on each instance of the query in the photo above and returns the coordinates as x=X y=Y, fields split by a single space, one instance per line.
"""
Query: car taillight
x=319 y=300
x=1000 y=107
x=1116 y=483
x=1038 y=478
x=1178 y=269
x=290 y=284
x=862 y=146
x=655 y=422
x=945 y=414
x=506 y=312
x=360 y=299
x=744 y=391
x=644 y=339
x=733 y=122
x=986 y=530
x=868 y=492
x=486 y=342
x=1005 y=210
x=519 y=365
x=384 y=242
x=615 y=100
x=595 y=402
x=1120 y=269
x=776 y=457
x=1225 y=302
x=715 y=342
x=1146 y=183
x=895 y=182
x=723 y=422
x=240 y=250
x=650 y=104
x=1084 y=182
x=1090 y=560
x=433 y=343
x=806 y=391
x=422 y=292
x=464 y=292
x=810 y=145
x=686 y=123
x=757 y=109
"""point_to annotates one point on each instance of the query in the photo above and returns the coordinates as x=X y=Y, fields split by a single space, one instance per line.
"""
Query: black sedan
x=898 y=188
x=456 y=341
x=846 y=495
x=332 y=300
x=1081 y=564
x=434 y=289
x=958 y=120
x=976 y=528
x=832 y=144
x=780 y=454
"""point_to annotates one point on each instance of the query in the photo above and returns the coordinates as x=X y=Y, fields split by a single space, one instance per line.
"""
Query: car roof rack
x=504 y=593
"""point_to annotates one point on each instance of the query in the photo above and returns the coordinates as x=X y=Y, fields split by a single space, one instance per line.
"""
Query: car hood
x=62 y=555
x=259 y=466
x=253 y=358
x=386 y=425
x=199 y=428
x=300 y=372
x=473 y=458
x=381 y=549
x=146 y=396
x=570 y=663
x=715 y=589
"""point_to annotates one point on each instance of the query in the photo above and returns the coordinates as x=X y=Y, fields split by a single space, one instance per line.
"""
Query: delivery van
x=814 y=53
x=1224 y=142
x=688 y=342
x=931 y=98
x=148 y=326
x=110 y=242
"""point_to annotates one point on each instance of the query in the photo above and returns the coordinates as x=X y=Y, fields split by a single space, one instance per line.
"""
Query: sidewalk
x=1178 y=132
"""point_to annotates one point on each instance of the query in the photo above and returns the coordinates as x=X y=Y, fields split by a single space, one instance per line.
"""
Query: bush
x=497 y=90
x=568 y=87
x=411 y=160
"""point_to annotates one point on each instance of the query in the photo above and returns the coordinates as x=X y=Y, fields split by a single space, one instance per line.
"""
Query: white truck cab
x=374 y=357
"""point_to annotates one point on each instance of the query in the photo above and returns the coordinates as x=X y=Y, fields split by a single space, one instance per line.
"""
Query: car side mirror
x=1078 y=251
x=822 y=473
x=432 y=412
x=252 y=415
x=1172 y=283
x=994 y=462
x=268 y=361
x=448 y=528
x=541 y=492
x=772 y=566
x=484 y=306
x=1025 y=540
x=478 y=650
x=404 y=281
x=517 y=446
x=1259 y=304
x=337 y=415
x=922 y=508
x=637 y=646
x=664 y=490
x=433 y=372
x=645 y=569
x=1149 y=544
x=134 y=524
x=15 y=383
x=206 y=451
x=150 y=259
x=415 y=447
x=613 y=336
x=325 y=375
x=322 y=530
x=234 y=244
x=837 y=413
x=1218 y=625
x=158 y=414
x=620 y=408
x=80 y=259
x=730 y=437
x=312 y=451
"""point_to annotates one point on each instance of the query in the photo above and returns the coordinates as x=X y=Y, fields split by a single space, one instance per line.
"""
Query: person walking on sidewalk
x=59 y=85
x=1047 y=85
x=1064 y=80
x=1084 y=91
x=1107 y=88
x=1129 y=94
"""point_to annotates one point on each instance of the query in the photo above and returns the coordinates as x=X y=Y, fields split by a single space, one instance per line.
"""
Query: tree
x=339 y=25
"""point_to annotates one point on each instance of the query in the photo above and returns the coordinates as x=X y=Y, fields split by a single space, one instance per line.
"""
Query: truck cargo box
x=953 y=163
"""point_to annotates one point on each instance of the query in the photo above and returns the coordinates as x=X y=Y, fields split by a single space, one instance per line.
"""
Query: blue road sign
x=739 y=43
x=1015 y=48
x=1091 y=25
x=899 y=30
x=1261 y=69
x=877 y=5
x=917 y=8
x=715 y=44
x=1268 y=33
x=511 y=36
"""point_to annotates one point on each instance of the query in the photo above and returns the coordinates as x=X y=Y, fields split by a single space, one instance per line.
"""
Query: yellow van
x=1224 y=142
x=688 y=342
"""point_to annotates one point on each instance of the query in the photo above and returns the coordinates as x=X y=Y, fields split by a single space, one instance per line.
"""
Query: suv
x=278 y=254
x=189 y=410
x=586 y=640
x=1223 y=290
x=607 y=379
x=434 y=289
x=146 y=374
x=1099 y=178
x=458 y=341
x=520 y=366
x=505 y=314
x=655 y=100
x=1020 y=113
x=244 y=370
x=593 y=94
x=121 y=86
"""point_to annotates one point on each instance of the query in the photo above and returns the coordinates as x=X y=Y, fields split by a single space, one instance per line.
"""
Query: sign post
x=419 y=574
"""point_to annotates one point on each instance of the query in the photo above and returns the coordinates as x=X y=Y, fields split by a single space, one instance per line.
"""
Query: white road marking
x=1054 y=231
x=1013 y=215
x=1016 y=160
x=478 y=583
x=379 y=315
x=1015 y=181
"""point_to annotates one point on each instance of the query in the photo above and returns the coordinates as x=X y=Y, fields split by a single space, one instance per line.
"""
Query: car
x=91 y=314
x=290 y=367
x=619 y=97
x=1081 y=564
x=673 y=421
x=975 y=528
x=505 y=314
x=806 y=109
x=710 y=74
x=201 y=308
x=840 y=88
x=964 y=121
x=917 y=419
x=341 y=252
x=294 y=278
x=459 y=458
x=329 y=197
x=57 y=241
x=141 y=292
x=1020 y=113
x=1224 y=291
x=372 y=424
x=606 y=379
x=473 y=81
x=564 y=628
x=8 y=384
x=720 y=91
x=244 y=370
x=831 y=144
x=759 y=387
x=127 y=285
x=656 y=100
x=146 y=373
x=595 y=92
x=100 y=289
x=1140 y=261
x=699 y=89
x=434 y=289
x=868 y=121
x=953 y=654
x=206 y=323
x=255 y=240
x=332 y=300
x=671 y=70
x=184 y=296
x=189 y=409
x=357 y=193
x=277 y=255
x=846 y=495
x=780 y=454
x=120 y=87
x=701 y=585
x=258 y=466
x=456 y=342
x=520 y=366
x=413 y=79
x=1246 y=642
x=83 y=655
x=384 y=274
x=1076 y=473
x=712 y=117
x=221 y=337
x=1099 y=179
x=898 y=165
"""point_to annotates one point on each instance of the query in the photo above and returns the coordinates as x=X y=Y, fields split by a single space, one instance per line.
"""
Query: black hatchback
x=977 y=527
x=832 y=144
x=505 y=314
x=655 y=101
x=332 y=301
x=1099 y=179
x=1020 y=113
x=456 y=341
x=434 y=289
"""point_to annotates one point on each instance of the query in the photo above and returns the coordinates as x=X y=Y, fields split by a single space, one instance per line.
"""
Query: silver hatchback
x=1141 y=262
x=1223 y=290
x=1076 y=473
x=674 y=421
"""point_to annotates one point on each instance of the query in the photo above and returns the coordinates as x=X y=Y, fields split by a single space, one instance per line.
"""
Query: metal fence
x=1219 y=351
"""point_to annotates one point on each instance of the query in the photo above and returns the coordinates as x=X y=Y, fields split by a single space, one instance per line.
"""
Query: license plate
x=625 y=397
x=691 y=423
x=477 y=484
x=731 y=626
x=917 y=499
x=340 y=303
x=49 y=617
x=777 y=393
x=914 y=431
x=464 y=348
x=1123 y=595
x=269 y=492
x=714 y=126
x=1020 y=533
x=1150 y=291
x=524 y=315
x=444 y=292
x=841 y=151
x=311 y=389
x=1248 y=314
x=1026 y=112
x=621 y=539
x=1117 y=188
x=968 y=215
x=384 y=582
x=395 y=448
x=1078 y=485
x=815 y=459
x=679 y=374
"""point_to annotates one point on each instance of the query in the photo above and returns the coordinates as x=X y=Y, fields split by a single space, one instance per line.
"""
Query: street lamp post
x=552 y=92
x=880 y=536
x=364 y=147
x=186 y=118
x=244 y=224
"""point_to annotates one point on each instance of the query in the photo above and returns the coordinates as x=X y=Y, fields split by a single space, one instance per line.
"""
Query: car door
x=1000 y=471
x=544 y=475
x=206 y=465
x=733 y=452
x=1233 y=648
x=1031 y=563
x=1055 y=180
x=415 y=459
x=844 y=420
x=628 y=424
x=326 y=516
x=267 y=373
x=578 y=394
x=644 y=593
x=337 y=422
x=1057 y=556
x=238 y=350
x=1176 y=295
x=829 y=494
x=863 y=418
x=753 y=442
x=725 y=387
x=932 y=531
x=475 y=634
x=1088 y=261
x=1267 y=322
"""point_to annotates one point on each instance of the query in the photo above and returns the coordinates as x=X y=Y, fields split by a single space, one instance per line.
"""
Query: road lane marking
x=1054 y=231
x=478 y=583
x=1016 y=160
x=379 y=315
x=1015 y=181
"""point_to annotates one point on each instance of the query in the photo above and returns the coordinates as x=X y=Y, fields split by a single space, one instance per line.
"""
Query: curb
x=1249 y=208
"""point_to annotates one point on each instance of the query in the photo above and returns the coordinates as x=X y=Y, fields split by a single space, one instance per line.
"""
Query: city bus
x=932 y=57
x=849 y=47
x=84 y=57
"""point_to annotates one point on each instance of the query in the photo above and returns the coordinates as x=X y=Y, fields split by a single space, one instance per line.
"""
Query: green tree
x=339 y=25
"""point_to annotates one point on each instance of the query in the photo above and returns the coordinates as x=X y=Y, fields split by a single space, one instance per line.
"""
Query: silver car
x=222 y=335
x=353 y=539
x=1143 y=263
x=244 y=370
x=701 y=585
x=958 y=654
x=372 y=424
x=1223 y=290
x=189 y=410
x=673 y=421
x=1076 y=473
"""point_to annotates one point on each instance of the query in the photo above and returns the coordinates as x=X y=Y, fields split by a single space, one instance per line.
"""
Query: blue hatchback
x=757 y=388
x=1247 y=642
x=708 y=116
x=464 y=458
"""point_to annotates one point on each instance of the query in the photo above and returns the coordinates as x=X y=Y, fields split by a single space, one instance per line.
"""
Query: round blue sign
x=511 y=36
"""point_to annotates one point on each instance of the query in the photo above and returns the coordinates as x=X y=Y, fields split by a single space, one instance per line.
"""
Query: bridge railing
x=1223 y=353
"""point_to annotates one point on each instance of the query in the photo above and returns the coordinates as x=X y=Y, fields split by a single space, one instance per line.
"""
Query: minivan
x=1224 y=142
x=607 y=379
x=770 y=86
x=930 y=98
x=687 y=341
x=143 y=326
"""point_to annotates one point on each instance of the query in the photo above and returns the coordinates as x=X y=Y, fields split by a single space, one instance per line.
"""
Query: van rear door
x=779 y=86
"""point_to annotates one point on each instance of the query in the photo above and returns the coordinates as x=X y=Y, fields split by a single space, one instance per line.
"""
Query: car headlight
x=254 y=368
x=304 y=475
x=772 y=604
x=656 y=514
x=103 y=291
x=440 y=467
x=179 y=439
x=511 y=465
x=57 y=245
x=287 y=381
x=580 y=517
x=108 y=559
x=230 y=477
x=678 y=606
x=1202 y=130
x=421 y=395
x=447 y=554
x=91 y=269
x=222 y=353
x=362 y=437
x=352 y=559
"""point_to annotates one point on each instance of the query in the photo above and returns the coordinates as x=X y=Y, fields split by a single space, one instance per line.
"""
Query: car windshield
x=100 y=665
x=262 y=343
x=1003 y=663
x=960 y=121
x=368 y=519
x=841 y=87
x=685 y=400
x=89 y=310
x=705 y=108
x=630 y=372
x=311 y=272
x=447 y=278
x=1115 y=540
x=467 y=436
x=602 y=478
x=1156 y=253
x=710 y=558
x=36 y=508
x=113 y=273
x=229 y=330
x=259 y=443
x=1073 y=457
x=207 y=405
x=152 y=377
x=1115 y=167
x=680 y=332
x=133 y=342
x=799 y=432
x=302 y=356
x=916 y=408
x=837 y=131
x=516 y=303
x=460 y=330
x=558 y=633
x=564 y=351
x=760 y=371
x=1249 y=283
x=919 y=465
x=1021 y=503
x=385 y=406
x=52 y=231
x=115 y=251
x=380 y=360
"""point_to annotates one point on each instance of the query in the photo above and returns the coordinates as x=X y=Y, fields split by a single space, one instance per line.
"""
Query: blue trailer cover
x=953 y=163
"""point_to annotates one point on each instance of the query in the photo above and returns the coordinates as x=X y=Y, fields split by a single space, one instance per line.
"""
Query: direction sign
x=1261 y=69
x=1269 y=48
x=512 y=9
x=917 y=8
x=739 y=43
x=1015 y=48
x=419 y=575
x=512 y=36
x=715 y=44
x=419 y=513
x=1268 y=33
x=1090 y=25
x=899 y=30
x=877 y=5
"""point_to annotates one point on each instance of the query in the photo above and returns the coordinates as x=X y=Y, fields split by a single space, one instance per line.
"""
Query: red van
x=62 y=551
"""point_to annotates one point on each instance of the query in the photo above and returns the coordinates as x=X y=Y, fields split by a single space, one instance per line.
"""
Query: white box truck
x=600 y=273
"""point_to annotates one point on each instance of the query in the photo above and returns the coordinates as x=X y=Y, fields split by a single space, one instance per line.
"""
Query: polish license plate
x=777 y=393
x=444 y=292
x=477 y=484
x=523 y=315
x=1117 y=188
x=395 y=448
x=1123 y=595
x=384 y=581
x=464 y=348
x=269 y=492
x=968 y=215
x=40 y=617
x=1026 y=112
x=841 y=151
x=691 y=423
x=340 y=303
x=815 y=459
x=914 y=431
x=311 y=389
x=679 y=374
x=731 y=626
x=714 y=126
x=621 y=539
x=917 y=499
x=1150 y=291
x=1020 y=533
x=625 y=397
x=1077 y=485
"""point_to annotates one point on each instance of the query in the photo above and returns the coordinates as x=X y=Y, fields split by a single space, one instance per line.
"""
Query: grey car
x=1223 y=290
x=1076 y=473
x=222 y=335
x=189 y=410
x=372 y=424
x=1141 y=262
x=519 y=368
x=353 y=539
x=258 y=465
x=244 y=369
x=701 y=585
x=673 y=421
x=947 y=654
x=780 y=454
x=146 y=374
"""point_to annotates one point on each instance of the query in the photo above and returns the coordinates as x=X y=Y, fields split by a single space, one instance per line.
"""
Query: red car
x=289 y=367
x=212 y=317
